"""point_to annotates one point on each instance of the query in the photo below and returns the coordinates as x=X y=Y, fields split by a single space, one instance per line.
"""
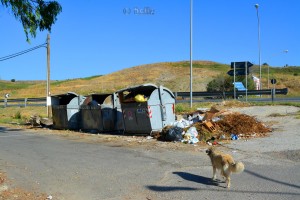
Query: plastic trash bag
x=234 y=137
x=191 y=136
x=174 y=134
x=179 y=124
x=193 y=132
x=140 y=98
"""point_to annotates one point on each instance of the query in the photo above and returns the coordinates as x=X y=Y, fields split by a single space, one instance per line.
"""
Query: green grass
x=4 y=85
x=17 y=115
x=296 y=104
x=276 y=115
x=298 y=115
x=211 y=66
x=182 y=108
x=91 y=77
x=57 y=83
x=20 y=114
x=285 y=70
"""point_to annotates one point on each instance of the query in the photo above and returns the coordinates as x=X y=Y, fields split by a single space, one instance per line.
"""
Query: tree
x=220 y=84
x=34 y=14
x=223 y=83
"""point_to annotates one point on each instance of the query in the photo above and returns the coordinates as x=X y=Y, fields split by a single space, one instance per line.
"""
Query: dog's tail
x=238 y=167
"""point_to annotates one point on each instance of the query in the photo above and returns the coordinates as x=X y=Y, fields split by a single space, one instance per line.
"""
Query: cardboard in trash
x=210 y=126
x=210 y=114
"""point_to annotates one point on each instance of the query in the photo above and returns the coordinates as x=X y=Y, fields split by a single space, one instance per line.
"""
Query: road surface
x=76 y=166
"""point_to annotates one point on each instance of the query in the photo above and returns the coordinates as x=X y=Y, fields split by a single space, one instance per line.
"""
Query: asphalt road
x=74 y=168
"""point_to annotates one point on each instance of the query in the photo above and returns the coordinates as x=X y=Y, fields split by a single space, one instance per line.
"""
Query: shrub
x=225 y=83
x=179 y=108
x=17 y=115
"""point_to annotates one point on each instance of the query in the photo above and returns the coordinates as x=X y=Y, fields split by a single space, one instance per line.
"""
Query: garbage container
x=65 y=110
x=101 y=113
x=147 y=108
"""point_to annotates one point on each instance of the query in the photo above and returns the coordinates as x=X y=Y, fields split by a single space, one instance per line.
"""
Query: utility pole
x=48 y=95
x=191 y=53
x=259 y=46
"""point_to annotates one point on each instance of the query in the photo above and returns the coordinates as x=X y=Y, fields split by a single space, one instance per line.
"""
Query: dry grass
x=173 y=75
x=20 y=114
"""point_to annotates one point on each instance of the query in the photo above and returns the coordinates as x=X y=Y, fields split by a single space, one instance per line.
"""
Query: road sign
x=241 y=65
x=273 y=81
x=238 y=72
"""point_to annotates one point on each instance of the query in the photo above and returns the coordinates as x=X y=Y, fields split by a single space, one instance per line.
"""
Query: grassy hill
x=173 y=75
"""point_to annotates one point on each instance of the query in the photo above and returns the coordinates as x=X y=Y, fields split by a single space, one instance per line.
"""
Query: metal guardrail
x=231 y=93
x=23 y=102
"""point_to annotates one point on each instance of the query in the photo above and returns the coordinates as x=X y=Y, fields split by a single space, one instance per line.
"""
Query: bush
x=220 y=84
x=13 y=80
x=179 y=108
x=17 y=115
x=225 y=83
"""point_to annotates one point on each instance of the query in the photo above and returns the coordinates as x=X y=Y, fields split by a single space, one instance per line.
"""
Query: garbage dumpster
x=101 y=113
x=147 y=108
x=65 y=110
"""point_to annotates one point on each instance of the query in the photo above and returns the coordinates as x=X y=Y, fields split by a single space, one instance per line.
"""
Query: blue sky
x=98 y=37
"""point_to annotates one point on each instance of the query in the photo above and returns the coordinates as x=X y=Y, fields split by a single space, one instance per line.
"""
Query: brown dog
x=224 y=163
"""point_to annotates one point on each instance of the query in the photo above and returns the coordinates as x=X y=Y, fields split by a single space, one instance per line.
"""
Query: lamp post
x=285 y=51
x=191 y=60
x=48 y=95
x=259 y=55
x=268 y=76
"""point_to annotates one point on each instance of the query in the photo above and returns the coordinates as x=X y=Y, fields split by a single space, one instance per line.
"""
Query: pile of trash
x=37 y=121
x=242 y=124
x=211 y=126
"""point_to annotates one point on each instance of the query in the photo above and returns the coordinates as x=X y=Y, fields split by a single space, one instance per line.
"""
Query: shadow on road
x=272 y=180
x=197 y=178
x=207 y=181
x=169 y=188
x=225 y=190
x=4 y=129
x=188 y=177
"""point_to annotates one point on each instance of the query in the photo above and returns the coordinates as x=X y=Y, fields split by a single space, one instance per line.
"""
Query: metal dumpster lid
x=136 y=87
x=65 y=99
x=67 y=94
x=100 y=98
x=146 y=86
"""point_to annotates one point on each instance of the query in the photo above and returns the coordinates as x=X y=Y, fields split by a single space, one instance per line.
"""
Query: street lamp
x=259 y=57
x=285 y=51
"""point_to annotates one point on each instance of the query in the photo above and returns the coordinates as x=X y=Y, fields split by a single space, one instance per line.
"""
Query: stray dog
x=224 y=163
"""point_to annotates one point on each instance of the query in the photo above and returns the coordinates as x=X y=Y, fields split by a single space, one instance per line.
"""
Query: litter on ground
x=212 y=125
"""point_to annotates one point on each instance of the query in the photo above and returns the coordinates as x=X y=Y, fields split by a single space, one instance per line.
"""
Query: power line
x=22 y=52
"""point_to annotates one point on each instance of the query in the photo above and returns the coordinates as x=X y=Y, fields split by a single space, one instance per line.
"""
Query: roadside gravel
x=284 y=140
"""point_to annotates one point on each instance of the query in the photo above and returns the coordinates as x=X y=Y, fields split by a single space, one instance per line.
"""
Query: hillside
x=174 y=75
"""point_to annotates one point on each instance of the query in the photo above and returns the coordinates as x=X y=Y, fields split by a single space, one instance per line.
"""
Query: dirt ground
x=230 y=121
